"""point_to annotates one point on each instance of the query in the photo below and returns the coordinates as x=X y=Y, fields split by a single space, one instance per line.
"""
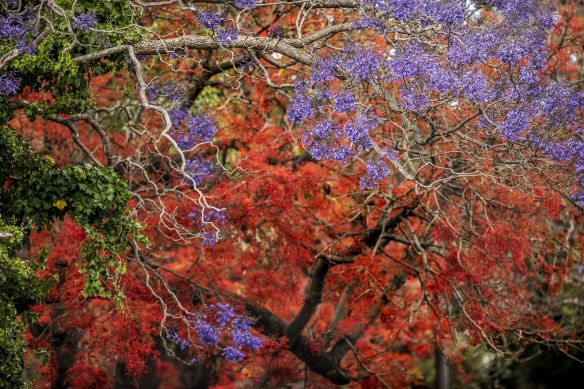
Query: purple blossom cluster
x=413 y=98
x=207 y=333
x=212 y=21
x=561 y=105
x=436 y=12
x=322 y=142
x=245 y=4
x=214 y=216
x=19 y=29
x=222 y=320
x=515 y=123
x=171 y=93
x=189 y=129
x=312 y=99
x=324 y=70
x=84 y=21
x=402 y=9
x=210 y=238
x=174 y=337
x=497 y=65
x=209 y=19
x=567 y=151
x=247 y=64
x=578 y=198
x=205 y=220
x=519 y=42
x=360 y=63
x=473 y=46
x=425 y=11
x=416 y=63
x=218 y=325
x=456 y=13
x=528 y=74
x=199 y=128
x=224 y=313
x=372 y=23
x=555 y=105
x=411 y=60
x=375 y=172
x=444 y=12
x=476 y=87
x=324 y=130
x=226 y=35
x=344 y=102
x=320 y=150
x=242 y=323
x=9 y=84
x=355 y=61
x=357 y=131
x=327 y=140
x=201 y=218
x=301 y=106
x=244 y=338
x=233 y=355
x=521 y=10
x=200 y=170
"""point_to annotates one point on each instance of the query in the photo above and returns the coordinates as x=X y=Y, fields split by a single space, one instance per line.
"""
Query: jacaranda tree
x=254 y=193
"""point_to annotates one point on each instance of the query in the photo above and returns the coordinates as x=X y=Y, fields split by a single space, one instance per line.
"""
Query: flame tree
x=272 y=192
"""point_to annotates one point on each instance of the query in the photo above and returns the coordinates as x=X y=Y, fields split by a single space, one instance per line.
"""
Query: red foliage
x=487 y=251
x=87 y=377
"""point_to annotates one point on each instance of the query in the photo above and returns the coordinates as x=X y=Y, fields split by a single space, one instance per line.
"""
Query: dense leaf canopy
x=262 y=193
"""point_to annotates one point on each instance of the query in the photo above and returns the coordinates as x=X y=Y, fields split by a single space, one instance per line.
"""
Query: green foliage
x=209 y=98
x=55 y=73
x=34 y=193
x=18 y=287
x=51 y=68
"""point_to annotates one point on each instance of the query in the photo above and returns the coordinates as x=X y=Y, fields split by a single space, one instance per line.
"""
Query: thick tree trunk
x=64 y=341
x=196 y=377
x=442 y=374
x=65 y=344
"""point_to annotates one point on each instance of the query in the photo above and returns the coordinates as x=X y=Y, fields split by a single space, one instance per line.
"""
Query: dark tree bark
x=442 y=373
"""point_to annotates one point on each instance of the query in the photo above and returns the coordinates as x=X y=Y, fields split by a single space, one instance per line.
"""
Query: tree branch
x=343 y=345
x=162 y=46
x=271 y=325
x=311 y=301
x=320 y=363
